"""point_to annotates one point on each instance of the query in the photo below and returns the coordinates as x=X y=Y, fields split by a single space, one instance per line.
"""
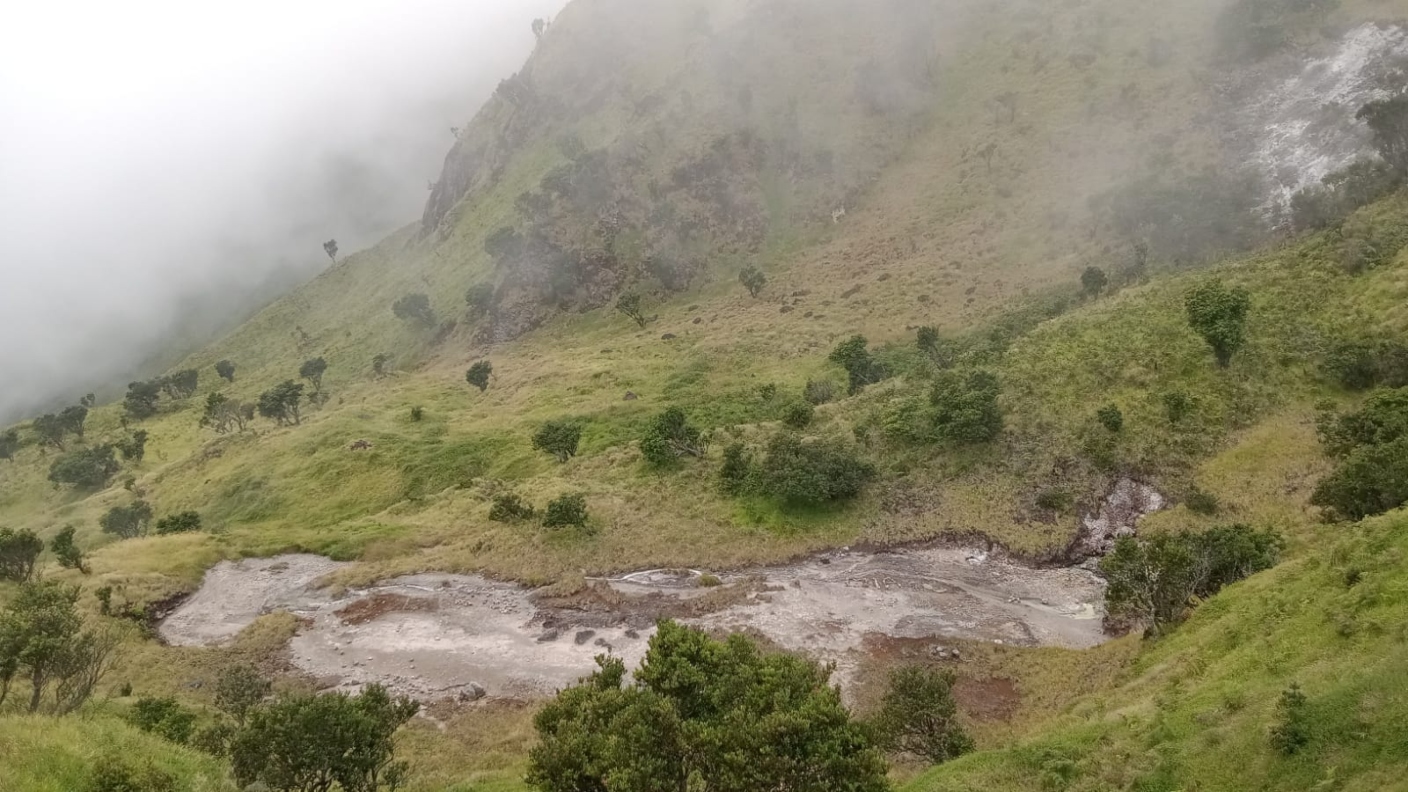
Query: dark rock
x=550 y=635
x=884 y=276
x=630 y=396
x=851 y=292
x=698 y=320
x=584 y=636
x=668 y=337
x=787 y=309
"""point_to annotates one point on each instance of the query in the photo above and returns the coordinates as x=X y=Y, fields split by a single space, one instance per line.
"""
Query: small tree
x=42 y=641
x=181 y=385
x=812 y=473
x=19 y=550
x=861 y=368
x=1219 y=315
x=141 y=400
x=89 y=468
x=72 y=420
x=239 y=689
x=1093 y=282
x=927 y=339
x=1111 y=418
x=479 y=374
x=630 y=305
x=314 y=743
x=379 y=362
x=480 y=299
x=9 y=443
x=164 y=717
x=133 y=447
x=224 y=415
x=559 y=438
x=753 y=280
x=226 y=370
x=1388 y=119
x=281 y=403
x=966 y=408
x=567 y=511
x=330 y=248
x=540 y=26
x=184 y=522
x=670 y=437
x=414 y=308
x=703 y=714
x=1292 y=730
x=799 y=415
x=819 y=392
x=49 y=430
x=127 y=522
x=65 y=549
x=508 y=507
x=313 y=370
x=1177 y=406
x=738 y=473
x=918 y=716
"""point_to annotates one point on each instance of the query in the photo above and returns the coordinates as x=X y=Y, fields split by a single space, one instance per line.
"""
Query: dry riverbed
x=438 y=635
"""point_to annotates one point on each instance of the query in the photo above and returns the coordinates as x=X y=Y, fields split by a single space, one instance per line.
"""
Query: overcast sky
x=151 y=150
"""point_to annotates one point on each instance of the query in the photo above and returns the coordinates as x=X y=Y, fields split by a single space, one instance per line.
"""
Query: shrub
x=379 y=362
x=313 y=371
x=967 y=410
x=1177 y=406
x=480 y=299
x=66 y=550
x=630 y=305
x=753 y=280
x=1371 y=480
x=415 y=309
x=417 y=414
x=670 y=437
x=1219 y=314
x=89 y=468
x=508 y=507
x=812 y=473
x=185 y=522
x=1059 y=501
x=19 y=550
x=42 y=640
x=737 y=473
x=918 y=716
x=706 y=714
x=1152 y=581
x=566 y=511
x=164 y=717
x=1111 y=418
x=9 y=443
x=1202 y=502
x=1093 y=282
x=799 y=415
x=861 y=367
x=1365 y=364
x=767 y=392
x=111 y=774
x=819 y=392
x=141 y=400
x=127 y=522
x=281 y=403
x=1292 y=730
x=479 y=374
x=1340 y=194
x=347 y=739
x=559 y=438
x=133 y=447
x=226 y=370
x=239 y=689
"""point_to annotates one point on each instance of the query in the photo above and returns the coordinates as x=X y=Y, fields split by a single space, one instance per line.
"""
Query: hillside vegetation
x=747 y=280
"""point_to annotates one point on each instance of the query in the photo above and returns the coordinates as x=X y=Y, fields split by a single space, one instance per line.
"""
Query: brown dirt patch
x=377 y=605
x=994 y=698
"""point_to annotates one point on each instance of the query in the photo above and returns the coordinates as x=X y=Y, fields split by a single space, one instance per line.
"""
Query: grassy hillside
x=984 y=155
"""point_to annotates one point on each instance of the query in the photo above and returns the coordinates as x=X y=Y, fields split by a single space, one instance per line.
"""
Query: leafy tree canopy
x=1218 y=313
x=966 y=408
x=282 y=403
x=703 y=714
x=812 y=473
x=559 y=438
x=89 y=468
x=479 y=375
x=19 y=550
x=670 y=436
x=226 y=370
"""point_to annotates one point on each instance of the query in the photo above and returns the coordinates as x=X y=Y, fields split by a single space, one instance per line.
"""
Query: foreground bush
x=703 y=714
x=1371 y=444
x=919 y=716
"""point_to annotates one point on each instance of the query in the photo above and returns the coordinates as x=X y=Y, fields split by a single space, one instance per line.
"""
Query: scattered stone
x=884 y=276
x=630 y=396
x=668 y=337
x=699 y=320
x=800 y=293
x=550 y=635
x=632 y=634
x=787 y=309
x=851 y=292
x=472 y=692
x=584 y=636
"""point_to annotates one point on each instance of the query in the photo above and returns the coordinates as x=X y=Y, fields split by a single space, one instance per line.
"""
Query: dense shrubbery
x=184 y=522
x=670 y=437
x=1364 y=364
x=703 y=714
x=812 y=473
x=966 y=409
x=1371 y=444
x=1340 y=193
x=508 y=507
x=567 y=511
x=861 y=367
x=88 y=468
x=1219 y=314
x=919 y=717
x=1153 y=581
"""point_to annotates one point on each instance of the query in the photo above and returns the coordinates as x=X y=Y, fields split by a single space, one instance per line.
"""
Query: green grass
x=39 y=754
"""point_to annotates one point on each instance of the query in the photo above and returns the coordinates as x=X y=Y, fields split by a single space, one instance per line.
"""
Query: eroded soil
x=439 y=636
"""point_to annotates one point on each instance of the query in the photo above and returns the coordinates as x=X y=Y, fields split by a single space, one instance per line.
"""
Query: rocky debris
x=1127 y=503
x=668 y=337
x=630 y=396
x=583 y=636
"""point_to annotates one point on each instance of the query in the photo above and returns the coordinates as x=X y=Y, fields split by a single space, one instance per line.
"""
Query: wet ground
x=438 y=635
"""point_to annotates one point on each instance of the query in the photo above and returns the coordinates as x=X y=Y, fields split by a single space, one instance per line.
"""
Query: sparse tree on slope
x=313 y=370
x=630 y=305
x=1093 y=282
x=282 y=403
x=89 y=468
x=65 y=549
x=1219 y=314
x=753 y=280
x=1388 y=118
x=479 y=374
x=50 y=430
x=226 y=370
x=414 y=308
x=142 y=398
x=19 y=550
x=73 y=418
x=42 y=642
x=669 y=437
x=330 y=248
x=559 y=438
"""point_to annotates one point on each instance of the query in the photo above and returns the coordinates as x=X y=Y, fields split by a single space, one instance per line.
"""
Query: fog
x=167 y=166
